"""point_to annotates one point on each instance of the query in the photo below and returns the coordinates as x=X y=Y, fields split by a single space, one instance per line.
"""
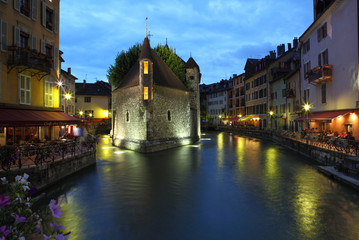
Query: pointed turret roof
x=191 y=63
x=146 y=49
x=162 y=74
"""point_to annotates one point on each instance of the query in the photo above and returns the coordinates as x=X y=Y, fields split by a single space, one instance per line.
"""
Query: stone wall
x=46 y=175
x=176 y=103
x=127 y=101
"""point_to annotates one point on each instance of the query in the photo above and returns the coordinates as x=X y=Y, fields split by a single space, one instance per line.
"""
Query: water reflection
x=225 y=187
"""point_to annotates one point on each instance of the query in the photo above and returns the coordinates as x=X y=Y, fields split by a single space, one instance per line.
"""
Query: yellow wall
x=99 y=104
x=9 y=80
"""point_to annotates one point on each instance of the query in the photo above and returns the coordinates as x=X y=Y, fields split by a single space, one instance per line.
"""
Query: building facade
x=152 y=109
x=67 y=92
x=329 y=67
x=93 y=100
x=29 y=71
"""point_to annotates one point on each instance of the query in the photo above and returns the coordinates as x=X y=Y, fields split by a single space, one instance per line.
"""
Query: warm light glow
x=59 y=83
x=240 y=115
x=271 y=113
x=90 y=114
x=340 y=117
x=67 y=96
x=105 y=112
x=306 y=107
x=353 y=115
x=220 y=116
x=81 y=113
x=62 y=127
x=145 y=67
x=145 y=93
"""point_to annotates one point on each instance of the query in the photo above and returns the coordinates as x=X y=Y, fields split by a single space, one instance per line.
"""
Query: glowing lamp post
x=271 y=114
x=306 y=109
x=81 y=113
x=67 y=98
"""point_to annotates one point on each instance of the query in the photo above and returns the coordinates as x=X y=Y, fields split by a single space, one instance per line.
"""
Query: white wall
x=342 y=45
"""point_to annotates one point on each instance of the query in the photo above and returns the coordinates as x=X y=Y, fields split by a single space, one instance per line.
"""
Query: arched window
x=169 y=115
x=127 y=116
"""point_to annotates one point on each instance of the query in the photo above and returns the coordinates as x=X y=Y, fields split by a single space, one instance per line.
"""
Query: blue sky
x=220 y=34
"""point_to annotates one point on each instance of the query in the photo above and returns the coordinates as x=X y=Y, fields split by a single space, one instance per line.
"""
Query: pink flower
x=19 y=218
x=4 y=232
x=4 y=201
x=55 y=209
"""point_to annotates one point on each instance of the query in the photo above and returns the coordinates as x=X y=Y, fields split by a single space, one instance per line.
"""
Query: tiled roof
x=162 y=74
x=99 y=88
x=191 y=63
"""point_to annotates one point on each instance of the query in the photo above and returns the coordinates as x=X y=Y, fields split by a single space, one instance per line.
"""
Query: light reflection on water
x=229 y=187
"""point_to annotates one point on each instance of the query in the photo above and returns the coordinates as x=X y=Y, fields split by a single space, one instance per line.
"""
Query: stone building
x=152 y=109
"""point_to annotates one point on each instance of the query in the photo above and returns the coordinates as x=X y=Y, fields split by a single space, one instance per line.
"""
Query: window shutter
x=326 y=57
x=4 y=35
x=56 y=21
x=33 y=42
x=16 y=36
x=42 y=46
x=34 y=9
x=325 y=30
x=319 y=34
x=17 y=5
x=43 y=14
x=56 y=57
x=320 y=59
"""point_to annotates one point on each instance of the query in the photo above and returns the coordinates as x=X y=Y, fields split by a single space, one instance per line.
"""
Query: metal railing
x=17 y=157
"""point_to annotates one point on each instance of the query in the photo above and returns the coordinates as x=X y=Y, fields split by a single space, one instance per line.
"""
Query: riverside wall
x=319 y=155
x=47 y=174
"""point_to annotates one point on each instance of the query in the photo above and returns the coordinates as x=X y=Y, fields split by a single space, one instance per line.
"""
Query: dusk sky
x=220 y=35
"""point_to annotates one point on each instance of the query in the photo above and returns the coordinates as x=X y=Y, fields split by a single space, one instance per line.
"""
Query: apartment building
x=329 y=67
x=29 y=71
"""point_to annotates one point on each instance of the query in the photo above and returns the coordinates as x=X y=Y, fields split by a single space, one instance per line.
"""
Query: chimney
x=283 y=48
x=272 y=54
x=295 y=42
x=84 y=84
x=289 y=46
x=279 y=52
x=69 y=71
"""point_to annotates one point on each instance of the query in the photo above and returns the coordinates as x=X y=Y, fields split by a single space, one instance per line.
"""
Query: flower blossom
x=47 y=238
x=19 y=218
x=4 y=201
x=4 y=232
x=55 y=209
x=56 y=227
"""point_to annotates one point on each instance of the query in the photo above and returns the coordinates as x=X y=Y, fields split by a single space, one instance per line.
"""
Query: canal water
x=224 y=187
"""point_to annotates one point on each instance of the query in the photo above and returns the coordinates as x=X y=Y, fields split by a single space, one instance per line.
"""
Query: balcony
x=279 y=72
x=30 y=60
x=320 y=74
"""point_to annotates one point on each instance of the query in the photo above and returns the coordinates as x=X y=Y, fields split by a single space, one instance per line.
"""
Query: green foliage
x=123 y=63
x=125 y=60
x=173 y=61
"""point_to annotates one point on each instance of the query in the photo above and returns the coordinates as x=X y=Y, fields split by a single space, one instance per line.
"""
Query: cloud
x=221 y=35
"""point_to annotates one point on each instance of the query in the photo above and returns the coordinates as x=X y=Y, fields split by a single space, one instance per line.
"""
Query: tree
x=123 y=63
x=125 y=60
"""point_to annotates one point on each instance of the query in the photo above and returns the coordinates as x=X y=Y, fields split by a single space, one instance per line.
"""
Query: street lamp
x=81 y=113
x=67 y=97
x=307 y=108
x=271 y=114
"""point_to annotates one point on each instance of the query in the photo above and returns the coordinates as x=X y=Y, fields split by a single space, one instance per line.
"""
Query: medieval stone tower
x=152 y=109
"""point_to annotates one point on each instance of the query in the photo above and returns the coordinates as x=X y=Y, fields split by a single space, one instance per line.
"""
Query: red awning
x=27 y=118
x=323 y=115
x=234 y=118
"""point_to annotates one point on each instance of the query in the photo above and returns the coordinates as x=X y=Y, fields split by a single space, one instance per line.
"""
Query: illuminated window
x=145 y=67
x=145 y=93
